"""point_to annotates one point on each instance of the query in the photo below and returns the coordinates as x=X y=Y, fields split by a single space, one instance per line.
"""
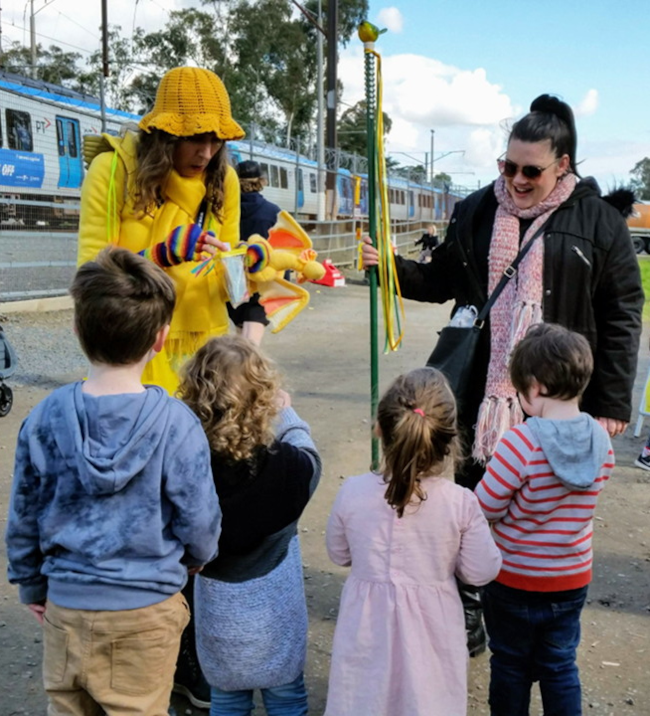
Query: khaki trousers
x=115 y=663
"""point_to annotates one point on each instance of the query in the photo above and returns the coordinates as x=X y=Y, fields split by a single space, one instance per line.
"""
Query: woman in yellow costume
x=169 y=193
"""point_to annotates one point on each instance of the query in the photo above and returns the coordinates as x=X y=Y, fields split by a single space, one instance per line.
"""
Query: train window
x=312 y=183
x=60 y=140
x=402 y=197
x=73 y=150
x=265 y=171
x=300 y=181
x=411 y=199
x=284 y=180
x=275 y=179
x=19 y=130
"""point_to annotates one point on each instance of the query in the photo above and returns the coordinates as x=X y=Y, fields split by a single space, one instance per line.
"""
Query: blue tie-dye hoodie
x=112 y=496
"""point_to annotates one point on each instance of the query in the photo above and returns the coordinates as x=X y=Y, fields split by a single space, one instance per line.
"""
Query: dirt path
x=325 y=358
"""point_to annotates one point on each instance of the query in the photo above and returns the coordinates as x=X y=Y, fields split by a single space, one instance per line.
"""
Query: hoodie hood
x=109 y=439
x=575 y=449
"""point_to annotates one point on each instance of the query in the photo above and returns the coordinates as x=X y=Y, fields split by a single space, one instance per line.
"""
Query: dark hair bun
x=548 y=104
x=552 y=105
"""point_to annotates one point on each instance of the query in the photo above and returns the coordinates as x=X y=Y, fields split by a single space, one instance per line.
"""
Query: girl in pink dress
x=408 y=532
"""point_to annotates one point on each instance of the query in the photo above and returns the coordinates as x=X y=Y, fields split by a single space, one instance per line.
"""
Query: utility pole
x=332 y=58
x=320 y=124
x=433 y=131
x=32 y=37
x=105 y=72
x=320 y=130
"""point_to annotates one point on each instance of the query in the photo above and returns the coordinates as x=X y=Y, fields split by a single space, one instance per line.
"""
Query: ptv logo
x=42 y=125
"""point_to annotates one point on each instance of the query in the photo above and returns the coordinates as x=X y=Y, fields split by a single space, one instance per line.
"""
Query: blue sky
x=463 y=68
x=594 y=55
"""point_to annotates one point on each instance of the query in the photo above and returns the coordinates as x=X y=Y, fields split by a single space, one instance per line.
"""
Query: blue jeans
x=533 y=636
x=287 y=700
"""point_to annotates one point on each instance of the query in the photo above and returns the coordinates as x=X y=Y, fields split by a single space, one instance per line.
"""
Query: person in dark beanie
x=258 y=214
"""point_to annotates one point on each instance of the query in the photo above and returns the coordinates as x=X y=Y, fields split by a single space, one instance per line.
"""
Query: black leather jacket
x=592 y=285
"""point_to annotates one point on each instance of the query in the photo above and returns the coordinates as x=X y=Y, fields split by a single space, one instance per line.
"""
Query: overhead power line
x=47 y=37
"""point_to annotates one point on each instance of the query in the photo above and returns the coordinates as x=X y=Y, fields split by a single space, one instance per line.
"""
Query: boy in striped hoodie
x=539 y=492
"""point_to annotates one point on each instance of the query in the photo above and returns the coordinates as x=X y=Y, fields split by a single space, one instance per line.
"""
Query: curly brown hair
x=233 y=389
x=154 y=153
x=419 y=434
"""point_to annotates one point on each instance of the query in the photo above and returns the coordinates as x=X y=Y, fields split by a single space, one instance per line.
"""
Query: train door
x=69 y=146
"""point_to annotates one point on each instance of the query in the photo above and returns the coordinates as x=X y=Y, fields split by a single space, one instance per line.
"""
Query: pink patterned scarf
x=518 y=307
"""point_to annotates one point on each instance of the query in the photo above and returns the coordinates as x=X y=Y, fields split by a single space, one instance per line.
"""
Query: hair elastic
x=419 y=411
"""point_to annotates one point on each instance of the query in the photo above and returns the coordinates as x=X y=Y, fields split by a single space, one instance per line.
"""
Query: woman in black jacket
x=583 y=275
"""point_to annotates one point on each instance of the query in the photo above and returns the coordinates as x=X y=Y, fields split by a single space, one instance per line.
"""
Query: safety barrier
x=38 y=262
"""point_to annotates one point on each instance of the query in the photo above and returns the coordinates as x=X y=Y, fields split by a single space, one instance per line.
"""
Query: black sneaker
x=197 y=692
x=476 y=640
x=189 y=679
x=643 y=461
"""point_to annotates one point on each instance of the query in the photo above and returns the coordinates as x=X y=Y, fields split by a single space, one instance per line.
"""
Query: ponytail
x=417 y=419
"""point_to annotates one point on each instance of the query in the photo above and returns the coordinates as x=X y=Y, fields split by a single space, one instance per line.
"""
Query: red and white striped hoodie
x=539 y=492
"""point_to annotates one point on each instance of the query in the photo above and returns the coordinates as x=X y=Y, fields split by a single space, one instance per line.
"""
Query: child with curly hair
x=251 y=614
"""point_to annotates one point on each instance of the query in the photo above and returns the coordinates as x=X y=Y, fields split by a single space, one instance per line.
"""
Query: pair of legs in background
x=287 y=700
x=533 y=636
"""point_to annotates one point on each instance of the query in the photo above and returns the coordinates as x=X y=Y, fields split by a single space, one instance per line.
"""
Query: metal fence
x=39 y=261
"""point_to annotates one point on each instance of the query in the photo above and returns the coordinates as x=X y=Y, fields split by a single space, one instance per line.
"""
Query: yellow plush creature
x=287 y=248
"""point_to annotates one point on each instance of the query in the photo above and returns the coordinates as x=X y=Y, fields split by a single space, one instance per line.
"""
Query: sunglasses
x=509 y=169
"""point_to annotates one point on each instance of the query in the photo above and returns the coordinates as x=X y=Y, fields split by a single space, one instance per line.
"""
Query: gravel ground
x=324 y=356
x=46 y=347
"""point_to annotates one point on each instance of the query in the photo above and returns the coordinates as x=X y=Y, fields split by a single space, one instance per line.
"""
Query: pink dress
x=399 y=645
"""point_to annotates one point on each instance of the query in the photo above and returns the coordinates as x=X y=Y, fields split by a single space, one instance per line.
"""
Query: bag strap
x=508 y=273
x=202 y=213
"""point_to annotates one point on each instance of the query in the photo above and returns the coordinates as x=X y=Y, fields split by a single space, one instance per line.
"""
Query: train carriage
x=41 y=132
x=41 y=164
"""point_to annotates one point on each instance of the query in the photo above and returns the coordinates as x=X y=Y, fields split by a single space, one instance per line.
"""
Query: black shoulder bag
x=455 y=351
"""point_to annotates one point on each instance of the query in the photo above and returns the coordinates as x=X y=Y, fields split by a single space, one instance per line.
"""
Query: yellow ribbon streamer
x=391 y=295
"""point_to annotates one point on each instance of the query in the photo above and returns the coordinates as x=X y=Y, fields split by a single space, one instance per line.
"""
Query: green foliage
x=118 y=93
x=262 y=49
x=641 y=179
x=52 y=64
x=442 y=180
x=351 y=13
x=416 y=174
x=352 y=129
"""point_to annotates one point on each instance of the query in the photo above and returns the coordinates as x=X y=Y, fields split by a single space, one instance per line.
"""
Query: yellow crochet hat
x=191 y=100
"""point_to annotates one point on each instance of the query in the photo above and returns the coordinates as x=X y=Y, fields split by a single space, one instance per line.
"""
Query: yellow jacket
x=107 y=217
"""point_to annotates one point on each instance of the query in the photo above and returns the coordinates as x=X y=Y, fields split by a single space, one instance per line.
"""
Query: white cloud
x=426 y=91
x=391 y=18
x=588 y=105
x=465 y=109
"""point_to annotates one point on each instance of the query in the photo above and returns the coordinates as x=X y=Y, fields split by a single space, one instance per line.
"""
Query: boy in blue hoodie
x=539 y=492
x=112 y=502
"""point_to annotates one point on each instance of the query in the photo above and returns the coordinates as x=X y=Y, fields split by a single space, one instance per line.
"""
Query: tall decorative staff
x=379 y=223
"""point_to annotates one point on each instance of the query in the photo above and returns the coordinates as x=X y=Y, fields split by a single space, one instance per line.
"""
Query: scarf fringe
x=527 y=314
x=495 y=417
